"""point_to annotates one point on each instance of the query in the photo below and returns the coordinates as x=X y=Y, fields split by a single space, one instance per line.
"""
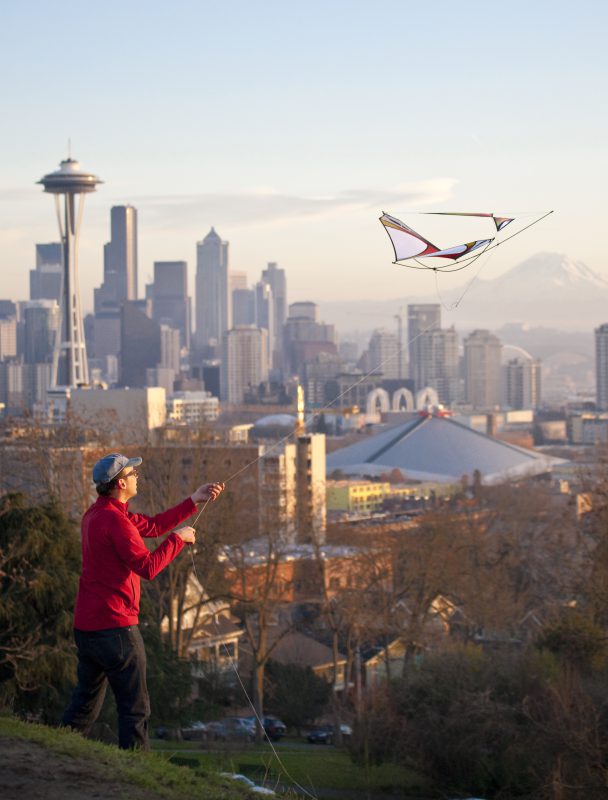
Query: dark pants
x=116 y=656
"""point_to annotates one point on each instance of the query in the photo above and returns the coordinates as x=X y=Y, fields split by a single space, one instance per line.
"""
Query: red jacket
x=114 y=557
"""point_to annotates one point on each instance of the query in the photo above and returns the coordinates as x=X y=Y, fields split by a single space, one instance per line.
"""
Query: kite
x=413 y=250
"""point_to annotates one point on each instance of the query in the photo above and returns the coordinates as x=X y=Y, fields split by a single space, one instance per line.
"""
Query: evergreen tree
x=39 y=568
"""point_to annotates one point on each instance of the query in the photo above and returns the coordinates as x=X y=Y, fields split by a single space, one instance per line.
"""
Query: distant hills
x=548 y=290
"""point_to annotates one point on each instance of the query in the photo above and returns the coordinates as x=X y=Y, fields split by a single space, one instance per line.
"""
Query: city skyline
x=322 y=118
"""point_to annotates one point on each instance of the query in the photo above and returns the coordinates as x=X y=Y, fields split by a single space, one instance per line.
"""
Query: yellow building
x=366 y=497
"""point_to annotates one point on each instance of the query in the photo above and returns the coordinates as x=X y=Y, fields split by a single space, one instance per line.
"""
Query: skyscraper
x=601 y=366
x=244 y=361
x=45 y=280
x=70 y=367
x=264 y=315
x=383 y=354
x=170 y=301
x=522 y=382
x=483 y=370
x=438 y=363
x=421 y=318
x=120 y=254
x=275 y=278
x=243 y=307
x=212 y=307
x=140 y=346
x=40 y=329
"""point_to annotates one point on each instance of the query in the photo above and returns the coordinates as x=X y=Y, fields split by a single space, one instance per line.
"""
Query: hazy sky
x=289 y=127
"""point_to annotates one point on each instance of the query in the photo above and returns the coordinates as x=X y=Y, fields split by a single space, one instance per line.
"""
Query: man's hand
x=186 y=534
x=208 y=491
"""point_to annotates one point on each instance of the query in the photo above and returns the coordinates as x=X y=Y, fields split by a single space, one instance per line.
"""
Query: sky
x=290 y=127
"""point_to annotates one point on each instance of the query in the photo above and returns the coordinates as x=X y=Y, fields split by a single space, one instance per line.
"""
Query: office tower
x=170 y=301
x=483 y=370
x=304 y=337
x=40 y=329
x=243 y=307
x=522 y=382
x=601 y=366
x=70 y=366
x=236 y=280
x=421 y=318
x=212 y=307
x=140 y=346
x=264 y=315
x=120 y=255
x=8 y=337
x=438 y=364
x=275 y=278
x=170 y=341
x=383 y=355
x=244 y=361
x=45 y=280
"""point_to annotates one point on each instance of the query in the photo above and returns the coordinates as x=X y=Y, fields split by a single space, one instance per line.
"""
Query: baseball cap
x=108 y=467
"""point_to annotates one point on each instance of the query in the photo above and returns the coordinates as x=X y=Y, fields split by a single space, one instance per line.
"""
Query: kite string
x=232 y=661
x=456 y=303
x=329 y=405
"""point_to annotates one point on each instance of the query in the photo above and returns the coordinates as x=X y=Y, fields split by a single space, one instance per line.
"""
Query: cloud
x=268 y=206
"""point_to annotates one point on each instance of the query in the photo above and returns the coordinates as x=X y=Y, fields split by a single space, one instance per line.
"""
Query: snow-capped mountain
x=546 y=290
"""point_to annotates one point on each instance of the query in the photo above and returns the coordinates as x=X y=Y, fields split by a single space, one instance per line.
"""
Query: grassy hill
x=37 y=761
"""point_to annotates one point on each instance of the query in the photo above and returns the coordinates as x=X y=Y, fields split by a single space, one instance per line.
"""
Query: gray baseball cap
x=108 y=467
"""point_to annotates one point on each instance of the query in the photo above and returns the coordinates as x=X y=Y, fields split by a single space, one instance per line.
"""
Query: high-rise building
x=305 y=337
x=601 y=366
x=169 y=348
x=275 y=278
x=483 y=370
x=45 y=280
x=437 y=363
x=421 y=318
x=264 y=315
x=383 y=355
x=522 y=383
x=243 y=307
x=70 y=363
x=244 y=361
x=120 y=255
x=236 y=280
x=311 y=488
x=40 y=328
x=212 y=307
x=140 y=346
x=8 y=338
x=169 y=294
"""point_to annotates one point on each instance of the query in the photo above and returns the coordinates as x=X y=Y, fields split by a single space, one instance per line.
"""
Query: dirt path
x=31 y=772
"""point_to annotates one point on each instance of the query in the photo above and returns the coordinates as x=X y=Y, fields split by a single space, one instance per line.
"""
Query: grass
x=150 y=771
x=314 y=768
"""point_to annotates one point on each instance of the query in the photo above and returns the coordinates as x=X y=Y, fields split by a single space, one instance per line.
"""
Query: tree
x=295 y=693
x=39 y=568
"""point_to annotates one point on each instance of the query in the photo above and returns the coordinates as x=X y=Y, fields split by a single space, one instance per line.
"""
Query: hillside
x=36 y=762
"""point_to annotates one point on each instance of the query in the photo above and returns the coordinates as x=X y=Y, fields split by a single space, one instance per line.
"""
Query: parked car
x=238 y=728
x=216 y=731
x=274 y=728
x=326 y=734
x=195 y=731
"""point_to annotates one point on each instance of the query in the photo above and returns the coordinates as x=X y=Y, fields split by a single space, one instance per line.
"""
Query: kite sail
x=414 y=250
x=408 y=244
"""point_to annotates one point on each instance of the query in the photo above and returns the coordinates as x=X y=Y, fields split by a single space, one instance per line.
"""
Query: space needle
x=70 y=182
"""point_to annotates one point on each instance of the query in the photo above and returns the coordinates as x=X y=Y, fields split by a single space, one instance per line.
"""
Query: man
x=114 y=557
